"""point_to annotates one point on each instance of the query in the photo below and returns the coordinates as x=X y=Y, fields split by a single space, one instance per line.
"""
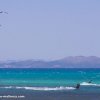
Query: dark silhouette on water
x=90 y=81
x=77 y=86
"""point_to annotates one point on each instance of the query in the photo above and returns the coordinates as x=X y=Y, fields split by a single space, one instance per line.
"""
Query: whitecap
x=47 y=88
x=41 y=88
x=89 y=84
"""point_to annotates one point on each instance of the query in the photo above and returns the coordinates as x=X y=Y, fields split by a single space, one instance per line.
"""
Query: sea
x=49 y=83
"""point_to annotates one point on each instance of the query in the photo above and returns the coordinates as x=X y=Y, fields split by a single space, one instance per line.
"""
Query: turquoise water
x=50 y=84
x=48 y=77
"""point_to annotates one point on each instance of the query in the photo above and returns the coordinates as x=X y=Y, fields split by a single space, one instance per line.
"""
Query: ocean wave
x=89 y=84
x=41 y=88
x=50 y=88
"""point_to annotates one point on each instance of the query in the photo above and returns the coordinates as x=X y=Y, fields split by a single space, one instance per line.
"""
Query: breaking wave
x=41 y=88
x=89 y=84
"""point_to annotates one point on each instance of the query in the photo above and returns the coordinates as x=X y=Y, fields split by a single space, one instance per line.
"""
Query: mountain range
x=68 y=62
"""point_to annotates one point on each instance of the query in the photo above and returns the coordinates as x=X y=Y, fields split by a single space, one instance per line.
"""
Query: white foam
x=89 y=84
x=48 y=88
x=42 y=88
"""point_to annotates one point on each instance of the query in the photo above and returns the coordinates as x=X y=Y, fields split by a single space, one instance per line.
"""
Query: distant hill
x=68 y=62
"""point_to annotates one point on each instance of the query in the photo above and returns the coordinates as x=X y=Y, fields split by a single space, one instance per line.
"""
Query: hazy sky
x=49 y=29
